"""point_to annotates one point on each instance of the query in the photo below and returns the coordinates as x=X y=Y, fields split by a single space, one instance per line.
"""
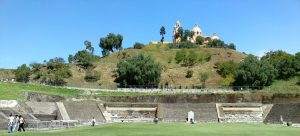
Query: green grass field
x=16 y=91
x=171 y=129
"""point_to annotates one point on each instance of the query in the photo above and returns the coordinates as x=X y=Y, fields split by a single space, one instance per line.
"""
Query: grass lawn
x=16 y=91
x=171 y=129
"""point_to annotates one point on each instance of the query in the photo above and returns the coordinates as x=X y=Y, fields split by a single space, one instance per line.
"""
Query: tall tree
x=203 y=78
x=88 y=46
x=110 y=42
x=199 y=40
x=179 y=33
x=162 y=33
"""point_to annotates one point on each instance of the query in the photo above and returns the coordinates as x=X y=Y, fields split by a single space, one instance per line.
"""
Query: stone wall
x=83 y=111
x=283 y=112
x=265 y=98
x=204 y=112
x=239 y=97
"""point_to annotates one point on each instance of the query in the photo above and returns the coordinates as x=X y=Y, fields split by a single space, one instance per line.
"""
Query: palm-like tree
x=162 y=33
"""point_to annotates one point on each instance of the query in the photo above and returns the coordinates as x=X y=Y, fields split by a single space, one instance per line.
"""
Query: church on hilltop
x=196 y=32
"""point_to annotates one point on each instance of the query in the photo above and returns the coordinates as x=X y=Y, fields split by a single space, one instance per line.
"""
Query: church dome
x=215 y=37
x=197 y=30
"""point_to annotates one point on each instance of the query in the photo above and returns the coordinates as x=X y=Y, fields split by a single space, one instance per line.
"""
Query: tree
x=190 y=59
x=179 y=33
x=231 y=46
x=282 y=62
x=162 y=33
x=138 y=45
x=216 y=44
x=35 y=67
x=89 y=47
x=71 y=58
x=55 y=73
x=110 y=43
x=297 y=62
x=22 y=73
x=203 y=78
x=138 y=70
x=56 y=62
x=254 y=73
x=84 y=59
x=199 y=40
x=187 y=34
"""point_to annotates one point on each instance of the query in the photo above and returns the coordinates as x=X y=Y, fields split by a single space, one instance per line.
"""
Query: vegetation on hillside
x=22 y=73
x=139 y=71
x=52 y=72
x=254 y=73
x=217 y=64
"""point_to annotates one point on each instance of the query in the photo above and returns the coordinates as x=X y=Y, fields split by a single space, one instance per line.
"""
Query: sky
x=38 y=30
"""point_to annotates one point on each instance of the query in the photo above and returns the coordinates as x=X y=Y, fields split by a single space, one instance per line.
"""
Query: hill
x=173 y=73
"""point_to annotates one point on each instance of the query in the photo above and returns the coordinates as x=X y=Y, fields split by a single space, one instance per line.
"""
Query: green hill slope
x=172 y=73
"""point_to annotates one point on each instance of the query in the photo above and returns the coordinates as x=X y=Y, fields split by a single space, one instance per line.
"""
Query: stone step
x=63 y=112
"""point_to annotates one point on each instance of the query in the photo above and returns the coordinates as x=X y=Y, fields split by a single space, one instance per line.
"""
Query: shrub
x=187 y=44
x=254 y=73
x=204 y=57
x=189 y=73
x=92 y=76
x=282 y=62
x=203 y=78
x=199 y=40
x=190 y=59
x=180 y=56
x=84 y=59
x=231 y=46
x=138 y=45
x=22 y=73
x=227 y=68
x=228 y=80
